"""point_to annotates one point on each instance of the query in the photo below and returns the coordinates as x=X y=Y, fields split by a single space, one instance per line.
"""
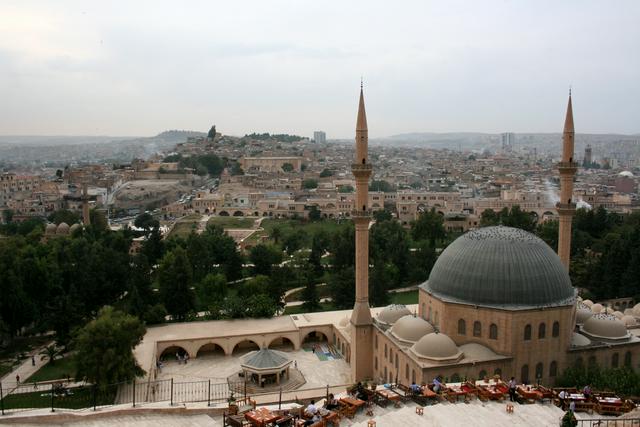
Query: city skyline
x=77 y=69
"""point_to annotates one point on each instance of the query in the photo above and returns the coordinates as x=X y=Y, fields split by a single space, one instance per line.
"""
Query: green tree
x=342 y=288
x=310 y=297
x=287 y=167
x=548 y=231
x=310 y=183
x=314 y=213
x=50 y=353
x=146 y=221
x=264 y=257
x=276 y=234
x=379 y=282
x=326 y=173
x=346 y=189
x=381 y=185
x=175 y=280
x=212 y=132
x=105 y=348
x=382 y=215
x=489 y=217
x=7 y=215
x=389 y=244
x=429 y=226
x=212 y=289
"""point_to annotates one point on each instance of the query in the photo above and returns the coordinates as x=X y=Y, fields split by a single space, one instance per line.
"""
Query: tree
x=379 y=284
x=309 y=184
x=346 y=189
x=212 y=289
x=429 y=226
x=382 y=215
x=314 y=213
x=390 y=245
x=7 y=215
x=381 y=185
x=50 y=353
x=64 y=215
x=326 y=173
x=342 y=288
x=310 y=297
x=212 y=132
x=105 y=348
x=175 y=280
x=264 y=257
x=276 y=234
x=489 y=217
x=146 y=221
x=287 y=167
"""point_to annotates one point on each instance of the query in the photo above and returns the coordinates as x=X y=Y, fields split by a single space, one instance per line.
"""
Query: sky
x=126 y=68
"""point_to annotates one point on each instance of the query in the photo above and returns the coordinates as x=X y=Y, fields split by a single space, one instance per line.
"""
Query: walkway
x=25 y=370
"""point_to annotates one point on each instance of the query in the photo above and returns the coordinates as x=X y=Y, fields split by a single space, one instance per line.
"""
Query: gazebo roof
x=265 y=359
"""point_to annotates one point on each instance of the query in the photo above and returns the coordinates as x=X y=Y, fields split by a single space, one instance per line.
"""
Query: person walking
x=33 y=361
x=512 y=389
x=17 y=379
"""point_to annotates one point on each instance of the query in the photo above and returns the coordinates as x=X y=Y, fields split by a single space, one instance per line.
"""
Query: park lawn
x=232 y=222
x=183 y=228
x=322 y=290
x=23 y=345
x=409 y=297
x=78 y=398
x=324 y=306
x=59 y=370
x=5 y=368
x=327 y=226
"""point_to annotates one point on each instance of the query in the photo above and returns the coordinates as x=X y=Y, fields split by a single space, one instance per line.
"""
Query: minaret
x=86 y=218
x=566 y=208
x=361 y=323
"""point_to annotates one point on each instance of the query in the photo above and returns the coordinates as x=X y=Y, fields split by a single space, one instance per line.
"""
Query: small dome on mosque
x=74 y=227
x=597 y=308
x=437 y=347
x=410 y=328
x=587 y=302
x=50 y=229
x=391 y=313
x=636 y=309
x=618 y=314
x=583 y=312
x=629 y=321
x=344 y=322
x=628 y=174
x=579 y=340
x=500 y=267
x=605 y=326
x=63 y=228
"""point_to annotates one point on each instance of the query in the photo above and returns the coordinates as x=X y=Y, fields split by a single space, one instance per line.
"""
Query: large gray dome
x=500 y=267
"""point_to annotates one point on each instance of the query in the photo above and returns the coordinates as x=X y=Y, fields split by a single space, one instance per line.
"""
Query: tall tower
x=86 y=218
x=588 y=156
x=567 y=168
x=361 y=323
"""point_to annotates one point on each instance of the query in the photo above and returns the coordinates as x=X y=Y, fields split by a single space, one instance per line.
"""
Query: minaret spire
x=361 y=322
x=567 y=169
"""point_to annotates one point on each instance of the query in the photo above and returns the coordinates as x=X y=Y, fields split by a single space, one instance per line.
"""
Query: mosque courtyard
x=218 y=368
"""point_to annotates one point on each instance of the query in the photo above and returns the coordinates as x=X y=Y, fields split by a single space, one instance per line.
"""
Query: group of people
x=564 y=395
x=181 y=358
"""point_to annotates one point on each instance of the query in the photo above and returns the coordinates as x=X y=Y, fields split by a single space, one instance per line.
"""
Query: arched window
x=498 y=372
x=462 y=327
x=391 y=355
x=396 y=361
x=627 y=359
x=413 y=375
x=553 y=369
x=615 y=360
x=385 y=350
x=406 y=371
x=556 y=329
x=542 y=331
x=385 y=374
x=579 y=363
x=527 y=333
x=376 y=342
x=524 y=374
x=493 y=331
x=477 y=329
x=482 y=374
x=375 y=361
x=539 y=370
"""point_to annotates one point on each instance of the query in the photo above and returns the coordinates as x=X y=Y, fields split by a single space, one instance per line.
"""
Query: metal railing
x=630 y=422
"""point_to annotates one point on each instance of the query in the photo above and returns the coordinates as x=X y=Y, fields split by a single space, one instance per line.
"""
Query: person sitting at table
x=587 y=391
x=332 y=402
x=415 y=388
x=313 y=420
x=437 y=385
x=311 y=409
x=572 y=406
x=360 y=393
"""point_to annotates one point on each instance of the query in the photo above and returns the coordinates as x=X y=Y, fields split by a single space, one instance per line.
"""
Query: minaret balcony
x=361 y=214
x=565 y=208
x=567 y=167
x=358 y=167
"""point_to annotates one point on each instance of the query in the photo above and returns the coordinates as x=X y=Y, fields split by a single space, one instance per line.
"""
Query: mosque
x=498 y=301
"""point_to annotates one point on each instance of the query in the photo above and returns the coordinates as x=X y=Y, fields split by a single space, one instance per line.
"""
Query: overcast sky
x=140 y=67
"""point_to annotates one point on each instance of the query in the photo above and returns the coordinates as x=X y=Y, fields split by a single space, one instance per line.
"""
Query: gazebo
x=266 y=366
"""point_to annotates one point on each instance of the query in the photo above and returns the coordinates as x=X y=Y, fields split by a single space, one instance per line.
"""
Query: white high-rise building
x=320 y=137
x=508 y=141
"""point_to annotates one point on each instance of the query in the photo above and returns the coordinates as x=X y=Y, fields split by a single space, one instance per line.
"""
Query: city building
x=320 y=137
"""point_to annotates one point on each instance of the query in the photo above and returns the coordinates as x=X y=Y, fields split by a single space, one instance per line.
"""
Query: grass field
x=322 y=289
x=5 y=368
x=309 y=228
x=77 y=398
x=409 y=297
x=185 y=226
x=232 y=222
x=60 y=369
